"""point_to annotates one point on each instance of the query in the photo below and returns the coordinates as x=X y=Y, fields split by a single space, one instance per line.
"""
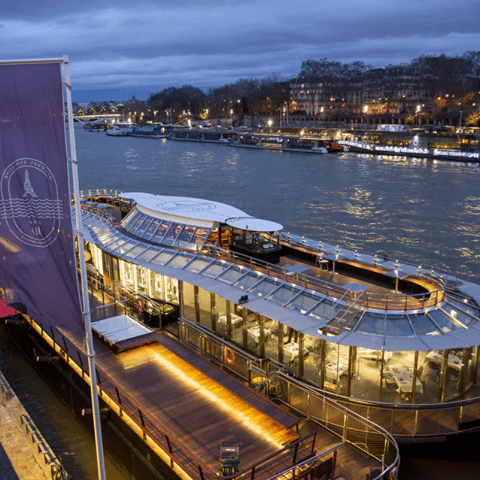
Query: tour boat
x=451 y=147
x=120 y=130
x=287 y=143
x=149 y=131
x=393 y=341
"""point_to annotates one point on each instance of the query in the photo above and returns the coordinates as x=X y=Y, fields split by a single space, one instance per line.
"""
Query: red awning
x=5 y=310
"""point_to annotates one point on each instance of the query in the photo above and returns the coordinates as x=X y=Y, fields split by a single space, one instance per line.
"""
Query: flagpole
x=83 y=276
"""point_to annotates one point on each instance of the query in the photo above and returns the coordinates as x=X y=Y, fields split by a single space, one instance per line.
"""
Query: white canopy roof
x=199 y=209
x=254 y=224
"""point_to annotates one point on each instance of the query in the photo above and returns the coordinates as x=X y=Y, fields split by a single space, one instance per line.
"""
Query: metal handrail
x=369 y=426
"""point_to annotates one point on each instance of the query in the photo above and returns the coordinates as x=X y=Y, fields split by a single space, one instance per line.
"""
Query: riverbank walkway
x=24 y=455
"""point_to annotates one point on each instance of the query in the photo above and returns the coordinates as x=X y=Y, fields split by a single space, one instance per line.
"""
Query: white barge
x=398 y=343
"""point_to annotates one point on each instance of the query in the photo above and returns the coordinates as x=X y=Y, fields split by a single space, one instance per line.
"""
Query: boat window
x=160 y=233
x=264 y=288
x=130 y=220
x=398 y=326
x=187 y=233
x=247 y=281
x=152 y=228
x=172 y=233
x=284 y=294
x=180 y=260
x=304 y=302
x=201 y=235
x=232 y=275
x=198 y=265
x=143 y=227
x=137 y=224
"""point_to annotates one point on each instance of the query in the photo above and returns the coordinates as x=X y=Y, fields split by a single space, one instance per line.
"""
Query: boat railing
x=347 y=424
x=433 y=283
x=113 y=397
x=381 y=301
x=279 y=385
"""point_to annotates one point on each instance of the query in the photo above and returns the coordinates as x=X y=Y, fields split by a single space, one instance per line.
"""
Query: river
x=423 y=212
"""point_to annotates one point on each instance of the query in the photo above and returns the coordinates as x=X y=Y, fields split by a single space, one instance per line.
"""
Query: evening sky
x=124 y=47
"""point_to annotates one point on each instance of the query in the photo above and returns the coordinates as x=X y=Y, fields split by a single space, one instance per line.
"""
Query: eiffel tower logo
x=27 y=186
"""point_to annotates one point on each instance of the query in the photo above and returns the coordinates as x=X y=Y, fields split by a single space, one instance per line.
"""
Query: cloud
x=171 y=43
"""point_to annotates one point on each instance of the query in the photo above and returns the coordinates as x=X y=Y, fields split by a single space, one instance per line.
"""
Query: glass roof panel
x=231 y=275
x=465 y=307
x=422 y=325
x=457 y=314
x=264 y=288
x=164 y=257
x=187 y=233
x=215 y=269
x=372 y=324
x=152 y=228
x=247 y=281
x=138 y=223
x=136 y=251
x=159 y=234
x=147 y=255
x=180 y=260
x=122 y=249
x=198 y=265
x=323 y=311
x=443 y=321
x=398 y=326
x=305 y=302
x=284 y=294
x=105 y=236
x=114 y=242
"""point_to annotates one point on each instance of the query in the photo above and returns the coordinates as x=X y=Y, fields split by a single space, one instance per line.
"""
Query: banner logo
x=30 y=203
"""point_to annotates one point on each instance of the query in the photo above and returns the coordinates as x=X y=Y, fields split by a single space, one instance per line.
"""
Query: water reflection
x=413 y=209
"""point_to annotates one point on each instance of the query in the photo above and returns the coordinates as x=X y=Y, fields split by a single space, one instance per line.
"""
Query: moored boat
x=120 y=130
x=149 y=131
x=446 y=146
x=287 y=143
x=363 y=329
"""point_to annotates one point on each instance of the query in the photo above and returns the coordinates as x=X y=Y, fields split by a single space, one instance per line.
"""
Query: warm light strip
x=219 y=401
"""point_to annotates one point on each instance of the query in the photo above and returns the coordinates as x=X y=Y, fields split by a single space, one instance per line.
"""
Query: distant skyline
x=124 y=48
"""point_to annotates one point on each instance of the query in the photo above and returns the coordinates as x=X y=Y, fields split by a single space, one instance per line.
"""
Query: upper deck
x=322 y=290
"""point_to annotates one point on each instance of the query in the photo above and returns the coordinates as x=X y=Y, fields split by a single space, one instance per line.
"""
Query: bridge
x=97 y=116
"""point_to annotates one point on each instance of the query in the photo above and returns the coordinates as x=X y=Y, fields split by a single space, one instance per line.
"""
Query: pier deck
x=196 y=405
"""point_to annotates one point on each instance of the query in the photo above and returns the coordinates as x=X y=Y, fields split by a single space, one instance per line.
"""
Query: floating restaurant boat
x=149 y=131
x=287 y=143
x=451 y=147
x=120 y=130
x=395 y=342
x=222 y=136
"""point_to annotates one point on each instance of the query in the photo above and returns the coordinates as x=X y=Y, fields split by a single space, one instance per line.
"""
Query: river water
x=423 y=212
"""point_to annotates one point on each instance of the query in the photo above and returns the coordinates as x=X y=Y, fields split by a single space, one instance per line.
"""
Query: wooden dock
x=189 y=407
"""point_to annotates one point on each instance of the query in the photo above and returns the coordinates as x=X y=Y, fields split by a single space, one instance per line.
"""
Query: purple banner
x=37 y=269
